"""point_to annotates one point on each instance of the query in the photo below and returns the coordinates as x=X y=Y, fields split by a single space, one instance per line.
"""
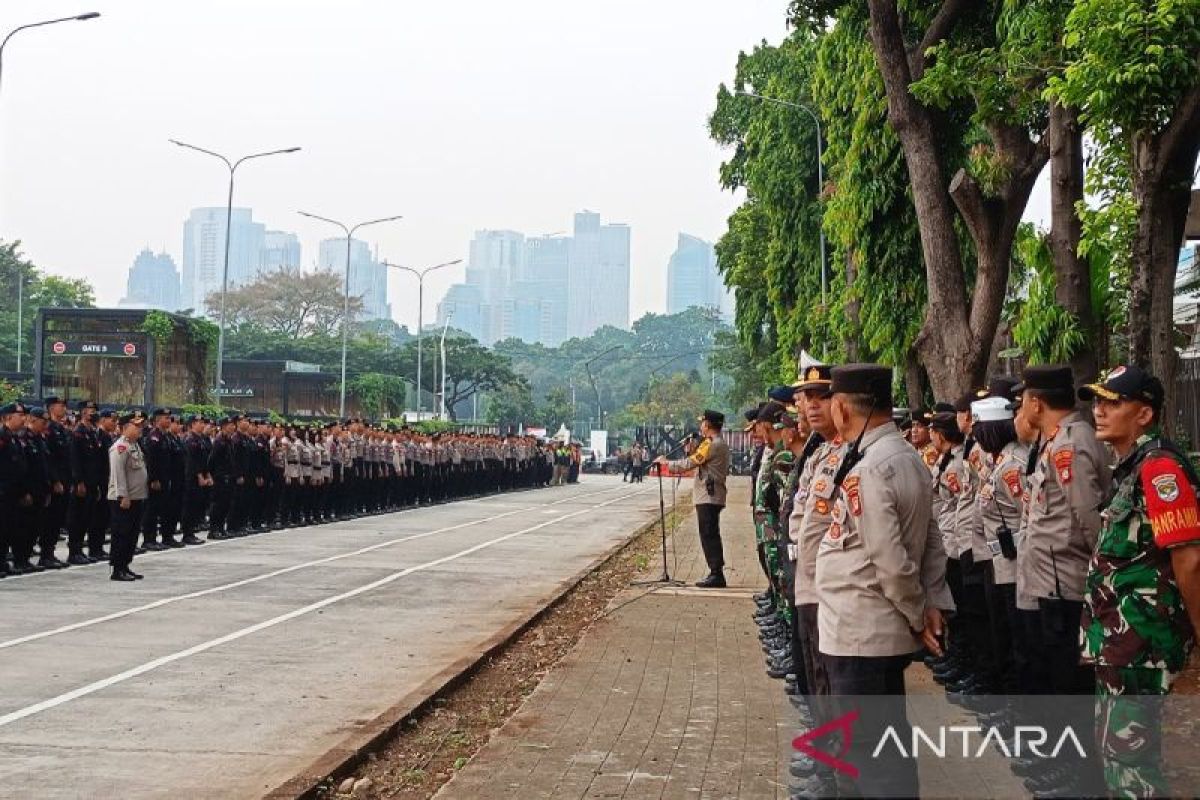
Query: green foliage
x=676 y=400
x=208 y=410
x=556 y=410
x=159 y=326
x=11 y=391
x=18 y=276
x=511 y=405
x=381 y=395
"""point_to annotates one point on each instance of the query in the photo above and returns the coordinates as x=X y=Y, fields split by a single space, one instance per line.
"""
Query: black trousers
x=708 y=519
x=98 y=528
x=125 y=522
x=1060 y=647
x=80 y=511
x=816 y=679
x=172 y=511
x=1001 y=599
x=195 y=499
x=222 y=501
x=30 y=525
x=874 y=687
x=152 y=512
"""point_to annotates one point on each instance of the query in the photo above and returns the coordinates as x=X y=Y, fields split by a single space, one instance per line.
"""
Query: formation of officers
x=1015 y=546
x=166 y=479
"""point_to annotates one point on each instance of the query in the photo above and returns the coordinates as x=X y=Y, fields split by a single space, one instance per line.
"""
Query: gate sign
x=95 y=349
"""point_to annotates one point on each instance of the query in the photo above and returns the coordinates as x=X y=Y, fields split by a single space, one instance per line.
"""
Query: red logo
x=844 y=723
x=130 y=349
x=59 y=348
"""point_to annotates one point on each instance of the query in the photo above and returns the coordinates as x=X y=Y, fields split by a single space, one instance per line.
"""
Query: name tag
x=994 y=546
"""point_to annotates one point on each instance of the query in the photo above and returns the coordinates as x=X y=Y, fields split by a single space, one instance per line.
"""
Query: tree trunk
x=951 y=356
x=1162 y=181
x=914 y=380
x=1073 y=279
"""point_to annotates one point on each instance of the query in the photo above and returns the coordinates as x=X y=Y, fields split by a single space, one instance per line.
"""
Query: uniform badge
x=121 y=448
x=1012 y=479
x=819 y=486
x=821 y=506
x=931 y=457
x=1166 y=487
x=952 y=483
x=1062 y=464
x=831 y=459
x=835 y=531
x=850 y=486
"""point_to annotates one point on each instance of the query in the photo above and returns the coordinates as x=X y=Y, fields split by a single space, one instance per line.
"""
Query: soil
x=432 y=746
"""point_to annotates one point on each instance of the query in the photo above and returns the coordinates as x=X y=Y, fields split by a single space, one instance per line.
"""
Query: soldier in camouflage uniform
x=1142 y=597
x=776 y=625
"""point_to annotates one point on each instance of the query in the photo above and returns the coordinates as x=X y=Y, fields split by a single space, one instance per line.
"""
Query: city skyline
x=531 y=112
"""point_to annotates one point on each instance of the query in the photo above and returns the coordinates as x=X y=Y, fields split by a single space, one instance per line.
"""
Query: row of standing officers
x=231 y=477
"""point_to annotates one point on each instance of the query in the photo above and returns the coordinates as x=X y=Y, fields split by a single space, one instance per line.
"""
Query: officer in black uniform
x=106 y=435
x=243 y=482
x=260 y=487
x=31 y=516
x=156 y=451
x=173 y=507
x=197 y=480
x=223 y=467
x=13 y=467
x=58 y=438
x=85 y=487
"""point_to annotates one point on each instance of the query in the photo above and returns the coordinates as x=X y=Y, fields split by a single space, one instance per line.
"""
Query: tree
x=676 y=400
x=293 y=304
x=1134 y=74
x=511 y=405
x=557 y=409
x=38 y=291
x=382 y=395
x=470 y=368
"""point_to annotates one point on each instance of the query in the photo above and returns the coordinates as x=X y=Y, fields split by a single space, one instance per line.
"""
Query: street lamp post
x=591 y=378
x=20 y=276
x=421 y=273
x=820 y=170
x=232 y=167
x=346 y=290
x=14 y=31
x=442 y=384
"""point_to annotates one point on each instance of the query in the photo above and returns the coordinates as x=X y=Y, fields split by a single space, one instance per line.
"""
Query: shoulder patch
x=1012 y=479
x=1062 y=464
x=952 y=482
x=853 y=499
x=121 y=448
x=1171 y=502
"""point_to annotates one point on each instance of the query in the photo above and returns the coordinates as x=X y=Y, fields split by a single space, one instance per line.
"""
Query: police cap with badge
x=1126 y=382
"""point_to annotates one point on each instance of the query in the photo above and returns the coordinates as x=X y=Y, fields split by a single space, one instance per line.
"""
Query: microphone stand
x=666 y=579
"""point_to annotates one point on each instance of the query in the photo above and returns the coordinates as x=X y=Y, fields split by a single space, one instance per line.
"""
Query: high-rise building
x=693 y=278
x=153 y=282
x=368 y=277
x=281 y=251
x=204 y=253
x=542 y=288
x=597 y=276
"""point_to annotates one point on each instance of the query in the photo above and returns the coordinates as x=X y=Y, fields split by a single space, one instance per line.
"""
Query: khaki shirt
x=1000 y=499
x=947 y=490
x=969 y=520
x=812 y=514
x=881 y=560
x=711 y=462
x=1067 y=486
x=127 y=475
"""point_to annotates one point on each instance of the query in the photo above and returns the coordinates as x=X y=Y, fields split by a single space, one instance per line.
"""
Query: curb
x=339 y=762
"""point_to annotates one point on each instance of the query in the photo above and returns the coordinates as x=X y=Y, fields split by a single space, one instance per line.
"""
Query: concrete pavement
x=236 y=665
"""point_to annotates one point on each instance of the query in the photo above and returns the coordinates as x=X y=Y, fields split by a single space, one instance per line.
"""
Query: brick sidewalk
x=667 y=697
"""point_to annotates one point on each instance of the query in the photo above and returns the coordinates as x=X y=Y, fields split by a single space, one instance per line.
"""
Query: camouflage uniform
x=779 y=483
x=1135 y=628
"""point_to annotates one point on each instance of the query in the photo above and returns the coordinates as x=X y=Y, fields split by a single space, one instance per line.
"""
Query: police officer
x=1142 y=600
x=86 y=489
x=710 y=462
x=128 y=488
x=223 y=468
x=881 y=525
x=197 y=480
x=32 y=517
x=1070 y=480
x=155 y=450
x=13 y=476
x=106 y=435
x=58 y=441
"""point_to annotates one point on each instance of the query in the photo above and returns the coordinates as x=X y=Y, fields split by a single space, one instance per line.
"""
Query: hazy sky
x=458 y=115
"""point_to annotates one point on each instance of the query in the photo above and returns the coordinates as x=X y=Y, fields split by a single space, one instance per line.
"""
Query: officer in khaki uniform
x=1069 y=483
x=128 y=488
x=880 y=574
x=710 y=460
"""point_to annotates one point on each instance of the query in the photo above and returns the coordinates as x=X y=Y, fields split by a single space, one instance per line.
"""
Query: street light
x=442 y=384
x=588 y=366
x=232 y=167
x=421 y=273
x=76 y=18
x=820 y=170
x=13 y=32
x=346 y=292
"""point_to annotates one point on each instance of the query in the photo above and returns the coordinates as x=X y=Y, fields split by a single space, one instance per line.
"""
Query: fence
x=1187 y=394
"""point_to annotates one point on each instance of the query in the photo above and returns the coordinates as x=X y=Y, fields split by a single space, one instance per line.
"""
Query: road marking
x=162 y=661
x=74 y=626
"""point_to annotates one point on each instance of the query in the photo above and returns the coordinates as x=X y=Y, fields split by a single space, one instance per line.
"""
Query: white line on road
x=141 y=669
x=87 y=623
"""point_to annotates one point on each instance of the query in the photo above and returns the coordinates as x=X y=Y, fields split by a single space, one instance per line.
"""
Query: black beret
x=39 y=412
x=133 y=416
x=781 y=394
x=770 y=412
x=85 y=405
x=1126 y=383
x=715 y=418
x=1045 y=377
x=15 y=407
x=52 y=399
x=106 y=413
x=963 y=403
x=817 y=376
x=944 y=423
x=920 y=416
x=869 y=379
x=1001 y=386
x=160 y=412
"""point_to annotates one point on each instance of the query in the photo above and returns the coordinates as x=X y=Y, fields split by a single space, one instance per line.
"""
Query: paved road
x=235 y=665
